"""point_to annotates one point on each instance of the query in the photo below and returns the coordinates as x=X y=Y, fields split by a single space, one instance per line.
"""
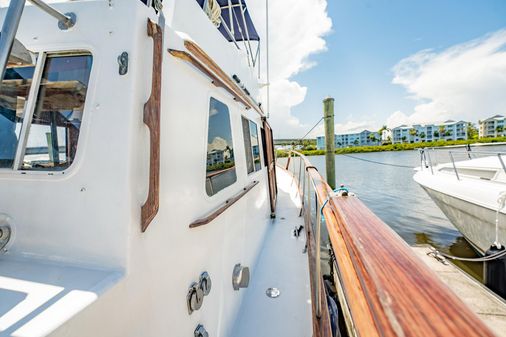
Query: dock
x=487 y=305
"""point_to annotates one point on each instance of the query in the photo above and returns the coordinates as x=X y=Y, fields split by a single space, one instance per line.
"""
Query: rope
x=502 y=203
x=378 y=162
x=498 y=255
x=213 y=10
x=312 y=129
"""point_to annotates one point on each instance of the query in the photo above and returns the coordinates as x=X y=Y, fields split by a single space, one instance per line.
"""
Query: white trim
x=29 y=110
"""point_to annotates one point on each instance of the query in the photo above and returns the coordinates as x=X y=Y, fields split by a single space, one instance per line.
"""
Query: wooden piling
x=330 y=161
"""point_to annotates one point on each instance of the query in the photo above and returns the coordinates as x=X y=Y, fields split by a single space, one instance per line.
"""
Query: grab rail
x=426 y=162
x=226 y=205
x=384 y=289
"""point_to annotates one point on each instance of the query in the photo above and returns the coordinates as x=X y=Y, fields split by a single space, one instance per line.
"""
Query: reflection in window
x=13 y=98
x=255 y=147
x=251 y=145
x=247 y=145
x=54 y=130
x=220 y=171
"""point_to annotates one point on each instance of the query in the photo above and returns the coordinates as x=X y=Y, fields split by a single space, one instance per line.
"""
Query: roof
x=494 y=117
x=235 y=16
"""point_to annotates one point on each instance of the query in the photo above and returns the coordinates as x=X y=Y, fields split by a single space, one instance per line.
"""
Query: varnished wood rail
x=152 y=120
x=386 y=290
x=197 y=57
x=226 y=205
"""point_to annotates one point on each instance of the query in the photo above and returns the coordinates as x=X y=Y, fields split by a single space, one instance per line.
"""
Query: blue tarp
x=237 y=20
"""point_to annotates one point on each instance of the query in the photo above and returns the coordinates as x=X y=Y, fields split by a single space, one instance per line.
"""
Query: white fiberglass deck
x=38 y=297
x=283 y=265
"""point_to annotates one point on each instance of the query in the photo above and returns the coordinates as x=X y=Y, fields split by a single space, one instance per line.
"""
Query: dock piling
x=330 y=161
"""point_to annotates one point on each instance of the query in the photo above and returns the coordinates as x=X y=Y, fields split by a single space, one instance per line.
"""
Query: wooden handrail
x=152 y=120
x=388 y=290
x=228 y=203
x=199 y=59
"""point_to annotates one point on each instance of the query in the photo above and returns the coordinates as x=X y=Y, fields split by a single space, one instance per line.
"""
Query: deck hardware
x=240 y=277
x=272 y=292
x=65 y=21
x=5 y=235
x=297 y=230
x=205 y=283
x=195 y=298
x=123 y=63
x=69 y=22
x=200 y=331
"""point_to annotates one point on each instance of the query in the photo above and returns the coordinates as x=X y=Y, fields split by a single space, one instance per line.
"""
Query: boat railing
x=382 y=287
x=432 y=157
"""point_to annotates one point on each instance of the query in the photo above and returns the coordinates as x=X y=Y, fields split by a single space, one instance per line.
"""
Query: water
x=399 y=201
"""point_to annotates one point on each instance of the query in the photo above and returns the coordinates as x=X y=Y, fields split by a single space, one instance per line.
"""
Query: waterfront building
x=492 y=127
x=363 y=138
x=418 y=133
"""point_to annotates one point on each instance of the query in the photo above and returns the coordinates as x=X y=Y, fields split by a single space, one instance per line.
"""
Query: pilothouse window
x=220 y=172
x=56 y=122
x=45 y=138
x=251 y=145
x=14 y=92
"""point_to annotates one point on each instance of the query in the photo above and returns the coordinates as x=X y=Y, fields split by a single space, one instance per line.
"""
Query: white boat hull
x=475 y=222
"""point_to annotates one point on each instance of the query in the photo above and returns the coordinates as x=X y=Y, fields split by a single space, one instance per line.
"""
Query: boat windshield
x=43 y=135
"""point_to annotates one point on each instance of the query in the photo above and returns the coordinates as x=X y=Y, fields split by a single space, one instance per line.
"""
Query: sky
x=387 y=62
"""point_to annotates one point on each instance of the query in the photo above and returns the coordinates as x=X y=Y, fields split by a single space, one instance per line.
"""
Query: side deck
x=282 y=264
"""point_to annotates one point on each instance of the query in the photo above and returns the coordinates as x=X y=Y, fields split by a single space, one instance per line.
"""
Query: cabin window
x=264 y=145
x=251 y=145
x=13 y=98
x=56 y=122
x=44 y=138
x=220 y=171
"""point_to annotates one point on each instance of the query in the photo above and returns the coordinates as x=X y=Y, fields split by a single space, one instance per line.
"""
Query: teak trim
x=228 y=203
x=199 y=59
x=152 y=120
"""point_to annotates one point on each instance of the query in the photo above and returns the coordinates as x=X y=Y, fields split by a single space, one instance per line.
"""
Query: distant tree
x=383 y=128
x=442 y=131
x=499 y=130
x=372 y=137
x=422 y=135
x=355 y=142
x=448 y=133
x=472 y=131
x=403 y=139
x=436 y=134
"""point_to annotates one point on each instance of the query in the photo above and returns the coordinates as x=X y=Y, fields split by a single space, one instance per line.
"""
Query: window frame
x=221 y=100
x=260 y=145
x=42 y=56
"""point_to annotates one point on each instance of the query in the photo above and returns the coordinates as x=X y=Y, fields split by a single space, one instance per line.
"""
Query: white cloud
x=218 y=143
x=296 y=29
x=347 y=127
x=466 y=81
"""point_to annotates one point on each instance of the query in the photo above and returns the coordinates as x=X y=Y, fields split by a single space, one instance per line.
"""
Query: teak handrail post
x=152 y=120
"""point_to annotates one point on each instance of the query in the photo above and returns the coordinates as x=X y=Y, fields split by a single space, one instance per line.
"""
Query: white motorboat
x=469 y=188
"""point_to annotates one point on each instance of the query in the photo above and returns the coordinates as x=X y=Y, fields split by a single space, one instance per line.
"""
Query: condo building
x=492 y=127
x=364 y=138
x=449 y=130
